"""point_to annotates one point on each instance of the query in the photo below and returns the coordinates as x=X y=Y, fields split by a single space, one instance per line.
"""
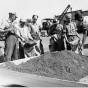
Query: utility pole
x=70 y=9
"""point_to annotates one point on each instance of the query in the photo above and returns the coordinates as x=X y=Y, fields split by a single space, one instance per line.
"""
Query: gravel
x=65 y=65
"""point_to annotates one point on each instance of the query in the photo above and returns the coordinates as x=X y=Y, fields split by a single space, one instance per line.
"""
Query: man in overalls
x=8 y=27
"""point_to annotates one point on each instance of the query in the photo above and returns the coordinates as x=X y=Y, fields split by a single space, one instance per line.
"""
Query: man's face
x=35 y=19
x=13 y=17
x=68 y=20
x=78 y=23
x=22 y=23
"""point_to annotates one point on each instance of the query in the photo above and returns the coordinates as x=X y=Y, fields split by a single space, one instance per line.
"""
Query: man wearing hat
x=56 y=40
x=82 y=25
x=8 y=27
x=70 y=33
x=27 y=43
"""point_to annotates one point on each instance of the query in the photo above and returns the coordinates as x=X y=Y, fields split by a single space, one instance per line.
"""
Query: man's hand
x=22 y=42
x=9 y=30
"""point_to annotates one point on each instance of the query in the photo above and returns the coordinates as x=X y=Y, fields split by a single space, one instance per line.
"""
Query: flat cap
x=68 y=16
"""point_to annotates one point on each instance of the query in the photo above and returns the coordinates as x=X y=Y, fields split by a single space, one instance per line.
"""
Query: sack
x=75 y=42
x=30 y=42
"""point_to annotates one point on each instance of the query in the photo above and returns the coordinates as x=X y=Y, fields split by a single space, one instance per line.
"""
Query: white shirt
x=24 y=33
x=7 y=24
x=34 y=28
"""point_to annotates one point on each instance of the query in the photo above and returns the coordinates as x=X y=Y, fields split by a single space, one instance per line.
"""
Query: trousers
x=56 y=45
x=11 y=48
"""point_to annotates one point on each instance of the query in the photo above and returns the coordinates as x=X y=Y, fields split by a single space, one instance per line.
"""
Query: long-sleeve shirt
x=7 y=24
x=7 y=27
x=24 y=33
x=34 y=28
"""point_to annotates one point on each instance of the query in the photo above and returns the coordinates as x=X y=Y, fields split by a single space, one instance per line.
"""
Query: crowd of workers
x=24 y=39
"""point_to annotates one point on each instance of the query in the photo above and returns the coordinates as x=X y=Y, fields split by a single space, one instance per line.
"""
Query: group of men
x=21 y=39
x=65 y=36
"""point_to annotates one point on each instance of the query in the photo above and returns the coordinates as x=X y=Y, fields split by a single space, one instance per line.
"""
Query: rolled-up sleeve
x=29 y=35
x=4 y=25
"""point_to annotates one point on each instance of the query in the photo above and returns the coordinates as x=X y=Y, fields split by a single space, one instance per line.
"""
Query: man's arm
x=29 y=36
x=84 y=37
x=29 y=32
x=85 y=28
x=76 y=31
x=4 y=31
x=78 y=35
x=4 y=27
x=65 y=36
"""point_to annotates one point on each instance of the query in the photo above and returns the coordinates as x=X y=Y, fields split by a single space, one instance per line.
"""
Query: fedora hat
x=10 y=14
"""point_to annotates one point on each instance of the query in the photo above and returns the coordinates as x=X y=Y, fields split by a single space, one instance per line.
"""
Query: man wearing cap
x=24 y=32
x=56 y=40
x=27 y=43
x=70 y=33
x=8 y=27
x=82 y=25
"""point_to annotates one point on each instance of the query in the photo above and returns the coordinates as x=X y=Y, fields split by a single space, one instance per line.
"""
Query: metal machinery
x=63 y=13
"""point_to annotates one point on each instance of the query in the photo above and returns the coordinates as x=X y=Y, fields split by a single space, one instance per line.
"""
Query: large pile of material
x=65 y=65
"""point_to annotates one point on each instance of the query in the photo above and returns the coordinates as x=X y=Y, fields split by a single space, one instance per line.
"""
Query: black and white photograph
x=43 y=43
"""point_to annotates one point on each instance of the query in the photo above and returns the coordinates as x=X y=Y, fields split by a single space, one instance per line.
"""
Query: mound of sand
x=65 y=65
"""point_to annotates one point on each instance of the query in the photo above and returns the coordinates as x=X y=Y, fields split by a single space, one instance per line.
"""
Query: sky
x=42 y=8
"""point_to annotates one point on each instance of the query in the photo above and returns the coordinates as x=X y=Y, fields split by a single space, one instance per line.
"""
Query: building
x=85 y=13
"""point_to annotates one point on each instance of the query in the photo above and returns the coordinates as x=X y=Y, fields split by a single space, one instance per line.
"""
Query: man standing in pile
x=70 y=33
x=82 y=25
x=11 y=41
x=35 y=33
x=56 y=40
